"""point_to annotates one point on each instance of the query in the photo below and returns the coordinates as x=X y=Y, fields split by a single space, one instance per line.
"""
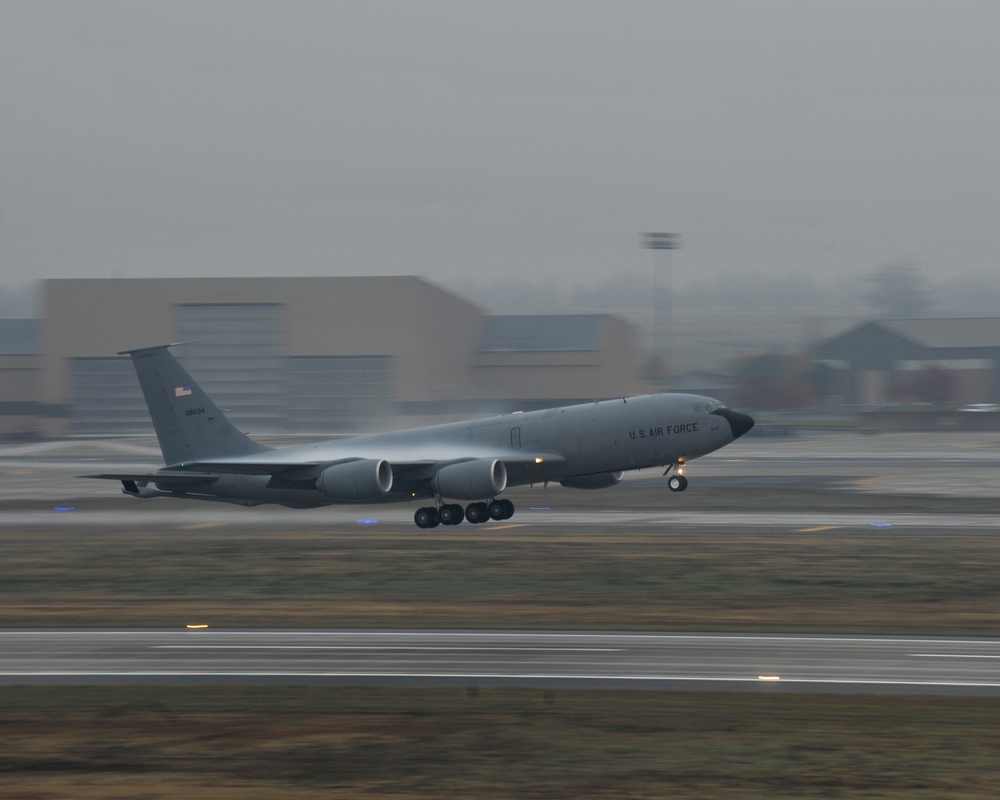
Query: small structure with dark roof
x=871 y=361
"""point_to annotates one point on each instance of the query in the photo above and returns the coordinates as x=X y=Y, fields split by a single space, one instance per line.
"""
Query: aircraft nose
x=739 y=423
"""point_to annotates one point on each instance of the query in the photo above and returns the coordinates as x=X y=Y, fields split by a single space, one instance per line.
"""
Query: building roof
x=956 y=332
x=519 y=333
x=20 y=337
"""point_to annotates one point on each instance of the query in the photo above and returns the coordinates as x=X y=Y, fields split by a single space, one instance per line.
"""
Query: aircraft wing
x=407 y=470
x=348 y=478
x=406 y=466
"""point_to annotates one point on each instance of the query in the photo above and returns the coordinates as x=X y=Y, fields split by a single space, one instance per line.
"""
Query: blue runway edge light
x=64 y=508
x=881 y=524
x=367 y=522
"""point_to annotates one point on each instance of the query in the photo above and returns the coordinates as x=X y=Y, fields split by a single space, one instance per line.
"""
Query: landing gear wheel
x=677 y=483
x=426 y=517
x=450 y=514
x=498 y=510
x=476 y=513
x=508 y=508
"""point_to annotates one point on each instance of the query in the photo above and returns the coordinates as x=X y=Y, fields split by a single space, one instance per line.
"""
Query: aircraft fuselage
x=585 y=446
x=537 y=447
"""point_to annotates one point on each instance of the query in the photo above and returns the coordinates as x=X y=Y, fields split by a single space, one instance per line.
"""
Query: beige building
x=559 y=358
x=20 y=414
x=314 y=355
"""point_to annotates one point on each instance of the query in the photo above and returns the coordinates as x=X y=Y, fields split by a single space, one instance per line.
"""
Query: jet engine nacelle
x=602 y=480
x=367 y=479
x=471 y=480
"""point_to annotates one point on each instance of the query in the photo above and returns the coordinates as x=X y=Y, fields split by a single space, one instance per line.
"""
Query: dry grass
x=310 y=742
x=465 y=578
x=318 y=742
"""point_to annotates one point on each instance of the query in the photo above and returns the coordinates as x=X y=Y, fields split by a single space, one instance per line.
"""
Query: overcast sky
x=509 y=139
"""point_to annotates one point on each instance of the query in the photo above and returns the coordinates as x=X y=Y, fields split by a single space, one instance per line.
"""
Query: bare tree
x=899 y=291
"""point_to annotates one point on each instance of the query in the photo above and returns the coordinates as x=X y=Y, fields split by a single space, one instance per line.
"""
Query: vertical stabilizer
x=189 y=425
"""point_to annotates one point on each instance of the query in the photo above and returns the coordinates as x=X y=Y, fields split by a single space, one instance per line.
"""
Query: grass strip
x=826 y=580
x=311 y=742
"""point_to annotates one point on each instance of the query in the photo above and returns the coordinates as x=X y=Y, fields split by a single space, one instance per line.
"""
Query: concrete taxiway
x=517 y=658
x=204 y=516
x=39 y=487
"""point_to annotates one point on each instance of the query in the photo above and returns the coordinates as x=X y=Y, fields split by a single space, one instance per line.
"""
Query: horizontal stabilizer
x=152 y=348
x=173 y=477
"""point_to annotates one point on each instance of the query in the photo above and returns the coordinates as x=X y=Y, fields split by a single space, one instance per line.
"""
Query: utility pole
x=663 y=311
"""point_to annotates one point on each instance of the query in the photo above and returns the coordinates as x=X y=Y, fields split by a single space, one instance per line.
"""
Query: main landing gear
x=453 y=514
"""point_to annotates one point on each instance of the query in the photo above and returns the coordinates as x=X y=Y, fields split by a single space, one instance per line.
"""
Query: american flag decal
x=182 y=391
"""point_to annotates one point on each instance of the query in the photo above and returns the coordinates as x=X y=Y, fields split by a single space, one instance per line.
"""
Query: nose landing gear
x=677 y=482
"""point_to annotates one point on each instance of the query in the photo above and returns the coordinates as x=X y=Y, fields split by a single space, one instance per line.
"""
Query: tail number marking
x=190 y=412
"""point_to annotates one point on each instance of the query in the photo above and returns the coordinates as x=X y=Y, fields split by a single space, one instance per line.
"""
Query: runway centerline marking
x=426 y=648
x=627 y=637
x=498 y=676
x=951 y=655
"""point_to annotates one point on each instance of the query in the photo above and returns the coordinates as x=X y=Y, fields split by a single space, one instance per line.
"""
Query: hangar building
x=316 y=355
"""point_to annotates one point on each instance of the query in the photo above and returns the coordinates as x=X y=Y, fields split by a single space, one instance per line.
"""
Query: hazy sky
x=507 y=139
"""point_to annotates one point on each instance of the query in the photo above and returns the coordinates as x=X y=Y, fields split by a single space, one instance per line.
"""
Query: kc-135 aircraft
x=586 y=446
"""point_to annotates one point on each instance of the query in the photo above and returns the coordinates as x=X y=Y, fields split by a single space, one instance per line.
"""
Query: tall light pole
x=663 y=311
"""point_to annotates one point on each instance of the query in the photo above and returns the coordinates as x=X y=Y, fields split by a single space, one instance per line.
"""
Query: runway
x=40 y=493
x=512 y=658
